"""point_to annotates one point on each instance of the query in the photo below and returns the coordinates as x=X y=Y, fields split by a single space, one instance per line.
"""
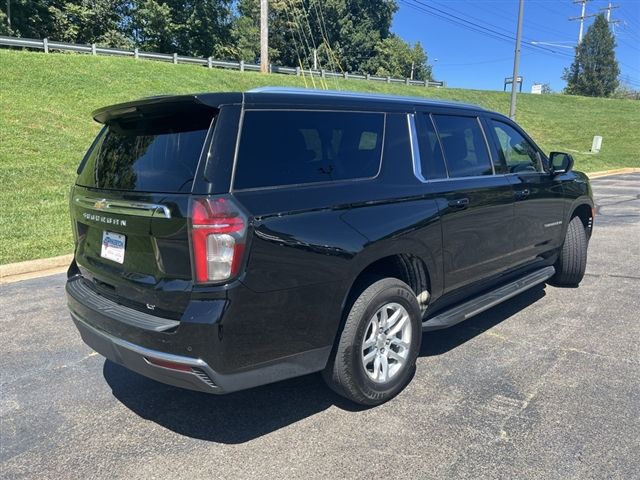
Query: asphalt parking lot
x=546 y=385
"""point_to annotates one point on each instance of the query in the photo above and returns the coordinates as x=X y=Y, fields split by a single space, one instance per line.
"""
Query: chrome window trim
x=415 y=148
x=473 y=177
x=123 y=207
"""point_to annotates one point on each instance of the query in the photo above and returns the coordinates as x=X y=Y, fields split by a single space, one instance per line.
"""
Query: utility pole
x=9 y=13
x=315 y=59
x=581 y=17
x=516 y=61
x=608 y=9
x=264 y=36
x=413 y=66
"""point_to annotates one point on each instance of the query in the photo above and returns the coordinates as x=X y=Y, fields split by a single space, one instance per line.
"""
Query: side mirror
x=560 y=162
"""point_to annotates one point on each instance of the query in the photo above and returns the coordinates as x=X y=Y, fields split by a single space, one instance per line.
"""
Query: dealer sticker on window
x=113 y=246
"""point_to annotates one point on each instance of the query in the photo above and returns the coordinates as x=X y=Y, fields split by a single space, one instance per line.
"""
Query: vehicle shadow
x=230 y=419
x=243 y=416
x=438 y=342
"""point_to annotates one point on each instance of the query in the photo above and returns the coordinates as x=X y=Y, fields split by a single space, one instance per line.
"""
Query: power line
x=505 y=16
x=473 y=26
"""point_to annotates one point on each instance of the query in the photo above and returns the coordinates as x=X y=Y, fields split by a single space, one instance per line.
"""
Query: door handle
x=522 y=194
x=459 y=203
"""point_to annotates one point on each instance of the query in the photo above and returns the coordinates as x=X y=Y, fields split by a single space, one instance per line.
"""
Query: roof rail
x=360 y=95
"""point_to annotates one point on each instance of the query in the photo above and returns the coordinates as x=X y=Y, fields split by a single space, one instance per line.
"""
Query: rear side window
x=430 y=152
x=296 y=147
x=158 y=154
x=464 y=145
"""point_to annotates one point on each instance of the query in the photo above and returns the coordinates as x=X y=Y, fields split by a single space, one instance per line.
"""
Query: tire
x=572 y=261
x=346 y=372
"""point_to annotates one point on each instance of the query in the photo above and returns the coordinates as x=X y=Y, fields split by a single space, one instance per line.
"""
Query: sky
x=469 y=56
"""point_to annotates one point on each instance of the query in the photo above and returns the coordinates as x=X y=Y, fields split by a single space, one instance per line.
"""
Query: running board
x=484 y=302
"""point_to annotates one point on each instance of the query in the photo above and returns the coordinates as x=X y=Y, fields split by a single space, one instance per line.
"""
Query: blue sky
x=470 y=59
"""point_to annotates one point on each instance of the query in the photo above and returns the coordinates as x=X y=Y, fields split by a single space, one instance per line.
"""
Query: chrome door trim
x=123 y=207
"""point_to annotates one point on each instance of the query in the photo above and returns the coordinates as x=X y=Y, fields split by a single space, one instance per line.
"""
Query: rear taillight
x=218 y=234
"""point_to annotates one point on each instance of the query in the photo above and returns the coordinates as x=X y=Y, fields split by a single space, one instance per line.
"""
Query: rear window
x=157 y=154
x=296 y=147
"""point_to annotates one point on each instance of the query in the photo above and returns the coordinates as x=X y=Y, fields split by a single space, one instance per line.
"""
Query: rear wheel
x=376 y=355
x=572 y=261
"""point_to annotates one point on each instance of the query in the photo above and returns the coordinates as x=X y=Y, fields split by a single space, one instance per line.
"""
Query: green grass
x=46 y=126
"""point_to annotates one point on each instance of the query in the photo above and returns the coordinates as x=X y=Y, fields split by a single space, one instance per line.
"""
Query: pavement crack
x=612 y=275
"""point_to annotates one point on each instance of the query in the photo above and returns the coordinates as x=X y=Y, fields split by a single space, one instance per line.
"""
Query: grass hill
x=46 y=126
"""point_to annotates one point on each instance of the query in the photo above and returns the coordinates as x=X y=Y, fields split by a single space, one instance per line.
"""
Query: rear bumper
x=197 y=374
x=145 y=344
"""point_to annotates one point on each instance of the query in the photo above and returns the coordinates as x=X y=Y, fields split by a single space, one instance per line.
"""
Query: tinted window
x=431 y=159
x=292 y=147
x=157 y=154
x=517 y=153
x=465 y=149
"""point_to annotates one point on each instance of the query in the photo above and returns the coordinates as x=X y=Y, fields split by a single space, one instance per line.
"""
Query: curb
x=14 y=272
x=606 y=173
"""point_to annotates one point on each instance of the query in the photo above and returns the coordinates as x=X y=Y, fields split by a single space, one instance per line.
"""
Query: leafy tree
x=4 y=27
x=201 y=25
x=594 y=72
x=346 y=35
x=244 y=34
x=152 y=26
x=29 y=18
x=89 y=21
x=189 y=27
x=349 y=35
x=396 y=58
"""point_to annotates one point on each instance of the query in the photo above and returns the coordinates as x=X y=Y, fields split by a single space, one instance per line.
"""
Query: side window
x=294 y=147
x=518 y=154
x=431 y=158
x=464 y=145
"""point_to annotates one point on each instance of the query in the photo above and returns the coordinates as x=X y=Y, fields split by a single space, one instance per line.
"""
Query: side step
x=485 y=301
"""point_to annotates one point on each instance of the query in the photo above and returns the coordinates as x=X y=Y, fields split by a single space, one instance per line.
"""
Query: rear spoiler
x=149 y=105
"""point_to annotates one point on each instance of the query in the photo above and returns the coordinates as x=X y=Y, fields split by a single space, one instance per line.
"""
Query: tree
x=396 y=58
x=347 y=35
x=29 y=18
x=153 y=27
x=89 y=21
x=188 y=27
x=594 y=71
x=202 y=25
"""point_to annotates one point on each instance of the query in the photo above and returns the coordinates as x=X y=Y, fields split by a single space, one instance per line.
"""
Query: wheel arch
x=585 y=211
x=410 y=262
x=404 y=264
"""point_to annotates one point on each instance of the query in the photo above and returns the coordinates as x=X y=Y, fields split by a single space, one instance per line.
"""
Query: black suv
x=229 y=240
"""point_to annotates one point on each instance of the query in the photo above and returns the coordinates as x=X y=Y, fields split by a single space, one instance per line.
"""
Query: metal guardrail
x=47 y=45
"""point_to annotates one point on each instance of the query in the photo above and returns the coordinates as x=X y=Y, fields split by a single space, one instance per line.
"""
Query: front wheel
x=572 y=261
x=376 y=355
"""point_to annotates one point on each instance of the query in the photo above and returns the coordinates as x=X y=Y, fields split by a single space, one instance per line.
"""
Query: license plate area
x=113 y=246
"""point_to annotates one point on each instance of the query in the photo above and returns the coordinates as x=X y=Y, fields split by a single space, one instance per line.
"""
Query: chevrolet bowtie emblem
x=100 y=204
